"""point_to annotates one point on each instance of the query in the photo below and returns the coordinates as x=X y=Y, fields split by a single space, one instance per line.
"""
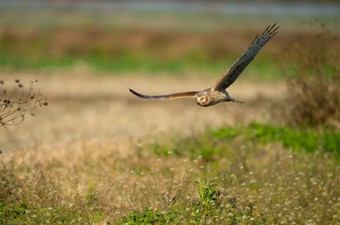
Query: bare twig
x=16 y=102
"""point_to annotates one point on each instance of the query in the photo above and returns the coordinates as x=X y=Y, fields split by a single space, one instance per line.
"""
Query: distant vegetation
x=312 y=70
x=126 y=51
x=137 y=42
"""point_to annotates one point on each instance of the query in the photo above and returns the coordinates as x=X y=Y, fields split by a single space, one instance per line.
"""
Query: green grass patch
x=214 y=143
x=297 y=139
x=24 y=214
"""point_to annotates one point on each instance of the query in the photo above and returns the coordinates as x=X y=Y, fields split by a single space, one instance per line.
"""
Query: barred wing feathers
x=190 y=94
x=236 y=69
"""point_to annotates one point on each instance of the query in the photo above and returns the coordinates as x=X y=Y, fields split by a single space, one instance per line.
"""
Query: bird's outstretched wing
x=236 y=69
x=190 y=94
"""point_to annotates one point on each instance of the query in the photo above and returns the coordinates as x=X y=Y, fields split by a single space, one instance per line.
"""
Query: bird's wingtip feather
x=133 y=92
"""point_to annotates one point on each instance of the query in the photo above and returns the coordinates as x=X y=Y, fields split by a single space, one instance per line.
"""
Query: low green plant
x=208 y=192
x=148 y=216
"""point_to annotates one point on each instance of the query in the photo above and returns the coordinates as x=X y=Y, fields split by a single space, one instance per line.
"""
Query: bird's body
x=210 y=96
x=218 y=93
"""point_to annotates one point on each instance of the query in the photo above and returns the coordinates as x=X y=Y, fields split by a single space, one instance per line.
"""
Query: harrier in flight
x=218 y=93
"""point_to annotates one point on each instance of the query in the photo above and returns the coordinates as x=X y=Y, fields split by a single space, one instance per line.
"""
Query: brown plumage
x=217 y=93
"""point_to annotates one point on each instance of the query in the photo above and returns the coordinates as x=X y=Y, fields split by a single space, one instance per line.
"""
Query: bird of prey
x=218 y=93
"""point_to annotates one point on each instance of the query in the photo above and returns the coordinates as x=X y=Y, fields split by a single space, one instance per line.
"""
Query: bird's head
x=203 y=100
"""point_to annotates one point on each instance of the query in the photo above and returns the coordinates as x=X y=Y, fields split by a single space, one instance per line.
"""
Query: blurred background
x=149 y=36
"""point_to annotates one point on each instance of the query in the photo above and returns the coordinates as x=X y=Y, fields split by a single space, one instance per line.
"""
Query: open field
x=99 y=155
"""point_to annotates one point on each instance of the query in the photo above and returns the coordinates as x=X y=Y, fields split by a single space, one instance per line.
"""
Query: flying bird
x=218 y=93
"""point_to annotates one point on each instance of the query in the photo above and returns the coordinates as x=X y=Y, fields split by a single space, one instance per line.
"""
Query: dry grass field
x=99 y=155
x=84 y=106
